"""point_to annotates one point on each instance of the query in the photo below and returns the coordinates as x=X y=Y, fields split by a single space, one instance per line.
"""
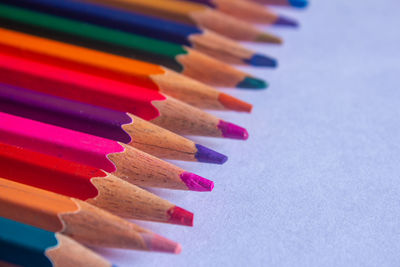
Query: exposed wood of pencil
x=246 y=10
x=220 y=47
x=129 y=201
x=176 y=116
x=70 y=253
x=158 y=141
x=197 y=66
x=81 y=221
x=198 y=15
x=117 y=67
x=142 y=169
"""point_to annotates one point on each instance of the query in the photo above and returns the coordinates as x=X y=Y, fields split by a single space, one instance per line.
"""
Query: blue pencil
x=202 y=40
x=27 y=245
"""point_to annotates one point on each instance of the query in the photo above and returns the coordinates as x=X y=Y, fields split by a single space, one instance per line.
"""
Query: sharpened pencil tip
x=195 y=182
x=204 y=154
x=286 y=22
x=158 y=243
x=230 y=130
x=180 y=216
x=252 y=83
x=233 y=103
x=261 y=61
x=268 y=38
x=298 y=3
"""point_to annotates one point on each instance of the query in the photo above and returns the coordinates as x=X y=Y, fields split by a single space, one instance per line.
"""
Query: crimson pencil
x=89 y=184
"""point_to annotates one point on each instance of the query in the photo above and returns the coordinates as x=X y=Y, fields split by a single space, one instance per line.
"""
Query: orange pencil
x=154 y=77
x=77 y=219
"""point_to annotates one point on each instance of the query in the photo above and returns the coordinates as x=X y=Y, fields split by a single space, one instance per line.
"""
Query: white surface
x=317 y=183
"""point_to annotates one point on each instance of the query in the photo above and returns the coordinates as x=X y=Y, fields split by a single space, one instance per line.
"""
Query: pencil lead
x=158 y=243
x=286 y=21
x=204 y=154
x=230 y=130
x=233 y=103
x=268 y=38
x=298 y=3
x=180 y=216
x=252 y=83
x=262 y=61
x=195 y=182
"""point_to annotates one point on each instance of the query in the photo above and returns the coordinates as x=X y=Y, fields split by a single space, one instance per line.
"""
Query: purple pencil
x=103 y=122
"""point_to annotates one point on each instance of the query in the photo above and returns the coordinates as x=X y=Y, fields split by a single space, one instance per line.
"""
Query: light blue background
x=318 y=182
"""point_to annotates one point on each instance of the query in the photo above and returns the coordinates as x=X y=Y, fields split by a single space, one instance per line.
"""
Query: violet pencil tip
x=286 y=22
x=195 y=182
x=230 y=130
x=259 y=60
x=207 y=155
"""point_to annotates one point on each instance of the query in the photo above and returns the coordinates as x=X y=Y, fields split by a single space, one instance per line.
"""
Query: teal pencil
x=25 y=245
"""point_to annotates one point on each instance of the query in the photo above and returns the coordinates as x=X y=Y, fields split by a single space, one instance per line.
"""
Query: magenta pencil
x=122 y=160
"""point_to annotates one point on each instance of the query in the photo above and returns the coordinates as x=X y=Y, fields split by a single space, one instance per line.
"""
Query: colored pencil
x=119 y=68
x=147 y=104
x=88 y=184
x=27 y=245
x=77 y=219
x=103 y=122
x=248 y=11
x=293 y=3
x=196 y=14
x=123 y=161
x=202 y=40
x=179 y=58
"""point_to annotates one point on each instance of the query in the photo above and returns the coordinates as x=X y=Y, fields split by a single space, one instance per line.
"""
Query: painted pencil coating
x=294 y=3
x=182 y=59
x=64 y=143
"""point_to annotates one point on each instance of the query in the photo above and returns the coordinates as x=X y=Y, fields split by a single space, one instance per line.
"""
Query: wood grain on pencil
x=81 y=221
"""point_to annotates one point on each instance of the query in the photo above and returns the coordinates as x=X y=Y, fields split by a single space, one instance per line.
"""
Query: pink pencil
x=123 y=161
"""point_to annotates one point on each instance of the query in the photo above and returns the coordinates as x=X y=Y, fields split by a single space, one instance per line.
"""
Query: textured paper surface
x=318 y=181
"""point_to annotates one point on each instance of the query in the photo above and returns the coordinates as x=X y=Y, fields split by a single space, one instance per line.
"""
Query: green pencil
x=180 y=58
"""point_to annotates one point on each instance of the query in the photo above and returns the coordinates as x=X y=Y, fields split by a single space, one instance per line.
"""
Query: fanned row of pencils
x=94 y=94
